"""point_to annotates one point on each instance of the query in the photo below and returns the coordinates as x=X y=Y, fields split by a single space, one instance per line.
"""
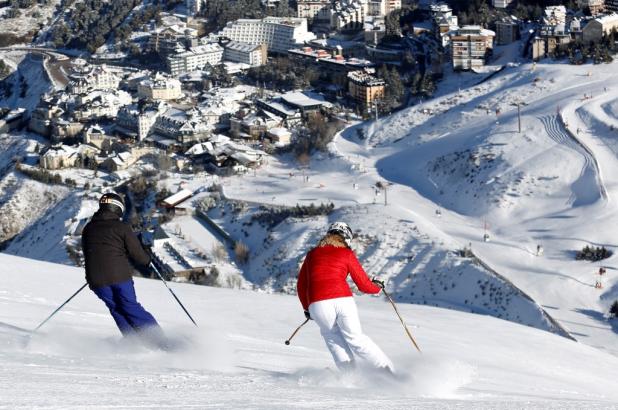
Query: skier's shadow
x=6 y=327
x=599 y=316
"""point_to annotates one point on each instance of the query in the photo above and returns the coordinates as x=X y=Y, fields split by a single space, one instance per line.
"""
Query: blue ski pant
x=122 y=303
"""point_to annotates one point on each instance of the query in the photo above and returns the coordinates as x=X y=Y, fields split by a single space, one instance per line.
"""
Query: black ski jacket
x=109 y=245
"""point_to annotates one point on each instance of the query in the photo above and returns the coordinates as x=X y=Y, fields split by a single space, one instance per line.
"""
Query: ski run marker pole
x=172 y=292
x=287 y=342
x=401 y=319
x=60 y=307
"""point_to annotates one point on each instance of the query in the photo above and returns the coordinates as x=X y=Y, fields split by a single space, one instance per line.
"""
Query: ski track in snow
x=580 y=194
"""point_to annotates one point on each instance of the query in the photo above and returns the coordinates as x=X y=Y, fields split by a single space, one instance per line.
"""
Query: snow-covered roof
x=304 y=99
x=242 y=47
x=178 y=197
x=279 y=131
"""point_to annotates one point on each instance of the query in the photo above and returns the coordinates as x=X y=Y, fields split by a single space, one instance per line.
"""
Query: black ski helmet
x=342 y=229
x=112 y=202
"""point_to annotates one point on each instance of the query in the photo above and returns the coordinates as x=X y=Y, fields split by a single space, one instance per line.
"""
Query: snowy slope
x=237 y=358
x=26 y=84
x=461 y=154
x=23 y=201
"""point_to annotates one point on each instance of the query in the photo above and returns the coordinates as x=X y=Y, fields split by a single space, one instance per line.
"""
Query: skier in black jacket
x=109 y=246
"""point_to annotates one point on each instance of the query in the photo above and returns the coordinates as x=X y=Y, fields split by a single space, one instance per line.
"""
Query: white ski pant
x=341 y=329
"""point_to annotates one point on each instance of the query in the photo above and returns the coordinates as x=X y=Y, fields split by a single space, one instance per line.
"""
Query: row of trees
x=220 y=12
x=317 y=133
x=45 y=176
x=593 y=253
x=284 y=74
x=89 y=23
x=270 y=217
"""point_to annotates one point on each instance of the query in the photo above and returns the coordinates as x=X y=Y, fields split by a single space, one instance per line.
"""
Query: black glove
x=307 y=315
x=378 y=282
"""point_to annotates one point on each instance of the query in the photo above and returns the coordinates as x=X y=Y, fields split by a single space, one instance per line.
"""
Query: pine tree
x=613 y=310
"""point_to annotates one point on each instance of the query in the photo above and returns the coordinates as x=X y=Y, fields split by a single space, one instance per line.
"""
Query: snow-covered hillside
x=459 y=168
x=24 y=86
x=237 y=358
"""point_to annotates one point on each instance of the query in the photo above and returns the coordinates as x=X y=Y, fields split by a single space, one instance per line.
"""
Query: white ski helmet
x=342 y=229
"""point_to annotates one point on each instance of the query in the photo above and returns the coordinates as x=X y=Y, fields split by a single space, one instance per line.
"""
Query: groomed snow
x=237 y=359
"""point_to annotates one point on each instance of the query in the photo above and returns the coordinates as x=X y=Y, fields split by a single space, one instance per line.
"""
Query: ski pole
x=287 y=342
x=401 y=319
x=172 y=292
x=60 y=307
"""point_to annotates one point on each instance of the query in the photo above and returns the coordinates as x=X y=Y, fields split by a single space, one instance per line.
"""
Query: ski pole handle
x=287 y=342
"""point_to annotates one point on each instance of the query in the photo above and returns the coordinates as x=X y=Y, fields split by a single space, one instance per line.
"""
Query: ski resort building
x=195 y=58
x=176 y=199
x=136 y=121
x=180 y=126
x=349 y=15
x=595 y=6
x=507 y=31
x=159 y=88
x=555 y=15
x=278 y=33
x=171 y=39
x=96 y=104
x=250 y=54
x=365 y=89
x=597 y=28
x=315 y=11
x=88 y=78
x=501 y=4
x=548 y=40
x=443 y=19
x=61 y=156
x=470 y=47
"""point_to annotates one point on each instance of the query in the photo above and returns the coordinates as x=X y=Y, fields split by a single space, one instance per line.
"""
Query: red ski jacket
x=324 y=272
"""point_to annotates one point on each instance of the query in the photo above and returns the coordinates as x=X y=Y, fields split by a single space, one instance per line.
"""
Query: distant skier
x=109 y=246
x=327 y=299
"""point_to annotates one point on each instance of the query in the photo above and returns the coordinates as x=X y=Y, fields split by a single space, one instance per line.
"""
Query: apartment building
x=391 y=5
x=96 y=104
x=597 y=28
x=171 y=39
x=315 y=11
x=278 y=33
x=183 y=126
x=365 y=89
x=87 y=78
x=251 y=54
x=507 y=31
x=195 y=58
x=159 y=88
x=349 y=15
x=470 y=46
x=555 y=15
x=137 y=121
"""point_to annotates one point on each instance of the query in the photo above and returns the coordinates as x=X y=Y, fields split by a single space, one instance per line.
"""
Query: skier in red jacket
x=327 y=299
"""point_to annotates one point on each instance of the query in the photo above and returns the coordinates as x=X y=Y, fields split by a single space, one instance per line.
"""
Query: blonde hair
x=333 y=239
